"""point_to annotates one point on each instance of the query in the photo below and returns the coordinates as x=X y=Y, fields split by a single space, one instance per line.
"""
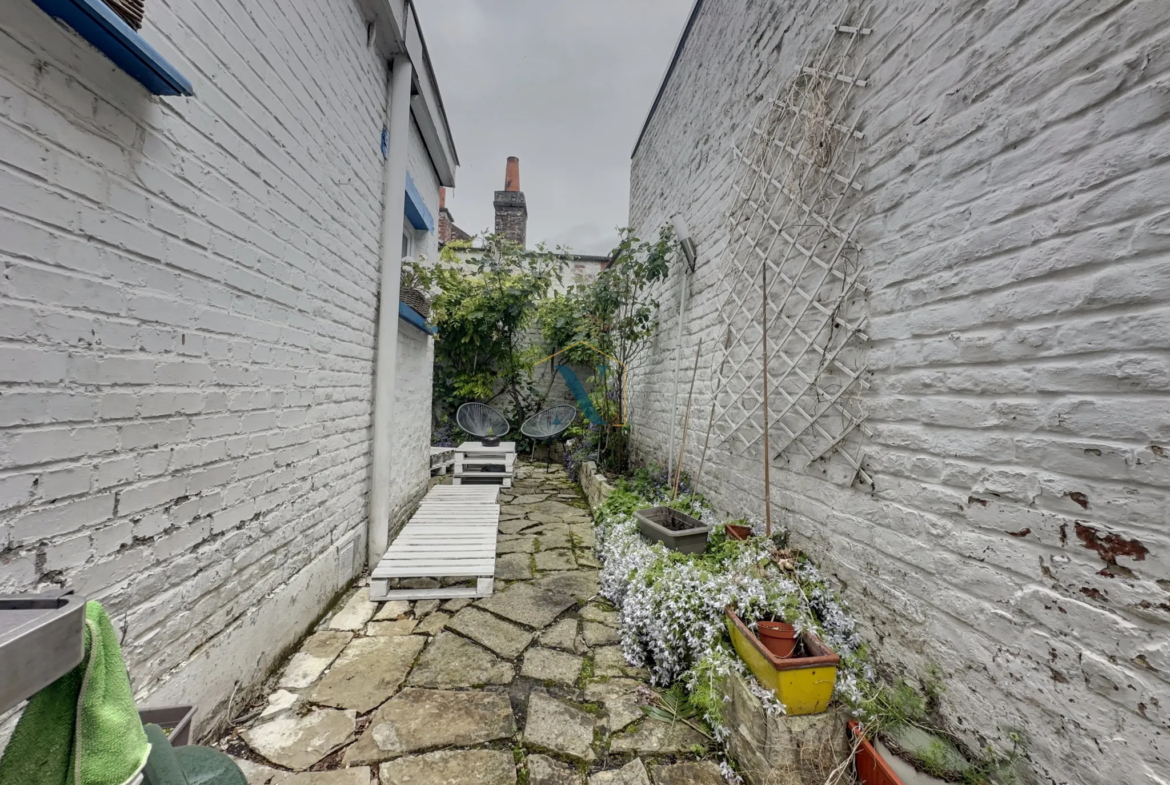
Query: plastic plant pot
x=738 y=532
x=870 y=766
x=491 y=441
x=803 y=684
x=174 y=720
x=676 y=530
x=778 y=637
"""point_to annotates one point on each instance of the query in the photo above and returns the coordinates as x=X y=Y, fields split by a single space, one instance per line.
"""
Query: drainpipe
x=386 y=360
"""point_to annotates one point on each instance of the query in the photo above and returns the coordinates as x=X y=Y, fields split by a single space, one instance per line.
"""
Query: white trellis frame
x=790 y=197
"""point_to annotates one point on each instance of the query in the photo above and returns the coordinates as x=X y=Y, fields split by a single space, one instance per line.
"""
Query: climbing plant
x=487 y=301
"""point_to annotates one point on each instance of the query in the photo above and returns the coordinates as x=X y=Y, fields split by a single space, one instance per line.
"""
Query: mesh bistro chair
x=482 y=422
x=547 y=425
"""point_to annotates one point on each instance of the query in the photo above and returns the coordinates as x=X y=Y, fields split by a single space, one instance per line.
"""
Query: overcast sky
x=564 y=85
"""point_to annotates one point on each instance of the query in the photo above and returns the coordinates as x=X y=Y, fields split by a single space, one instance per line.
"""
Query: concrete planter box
x=676 y=530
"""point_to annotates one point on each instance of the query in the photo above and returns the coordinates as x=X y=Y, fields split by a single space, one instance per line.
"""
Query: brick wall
x=512 y=216
x=1018 y=264
x=187 y=320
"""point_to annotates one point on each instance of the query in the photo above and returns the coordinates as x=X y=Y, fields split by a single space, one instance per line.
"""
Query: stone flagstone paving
x=527 y=685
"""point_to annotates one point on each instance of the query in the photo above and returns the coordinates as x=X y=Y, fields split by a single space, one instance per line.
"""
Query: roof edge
x=682 y=40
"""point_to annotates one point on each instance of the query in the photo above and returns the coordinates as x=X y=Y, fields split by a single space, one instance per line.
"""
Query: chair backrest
x=479 y=419
x=550 y=422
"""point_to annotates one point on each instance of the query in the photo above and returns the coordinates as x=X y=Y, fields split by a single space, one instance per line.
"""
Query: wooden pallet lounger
x=452 y=535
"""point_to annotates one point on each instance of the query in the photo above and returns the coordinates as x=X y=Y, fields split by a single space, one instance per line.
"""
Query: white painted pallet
x=471 y=457
x=442 y=459
x=451 y=535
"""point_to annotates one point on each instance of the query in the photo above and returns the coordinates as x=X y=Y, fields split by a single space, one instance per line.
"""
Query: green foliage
x=886 y=708
x=618 y=309
x=417 y=274
x=616 y=314
x=485 y=305
x=675 y=705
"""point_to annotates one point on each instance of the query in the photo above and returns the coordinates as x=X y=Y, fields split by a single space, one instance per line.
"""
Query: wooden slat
x=452 y=534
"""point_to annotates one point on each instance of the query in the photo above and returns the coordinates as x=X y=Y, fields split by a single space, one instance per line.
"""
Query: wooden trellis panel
x=796 y=170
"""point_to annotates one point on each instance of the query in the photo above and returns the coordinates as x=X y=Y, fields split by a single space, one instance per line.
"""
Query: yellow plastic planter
x=803 y=684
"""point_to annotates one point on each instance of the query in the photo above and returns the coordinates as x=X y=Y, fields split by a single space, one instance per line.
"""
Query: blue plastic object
x=415 y=319
x=578 y=390
x=416 y=210
x=95 y=22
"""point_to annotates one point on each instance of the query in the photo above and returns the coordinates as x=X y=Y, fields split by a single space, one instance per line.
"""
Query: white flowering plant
x=672 y=605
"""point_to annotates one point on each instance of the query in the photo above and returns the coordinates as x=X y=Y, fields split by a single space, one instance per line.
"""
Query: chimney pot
x=442 y=197
x=512 y=176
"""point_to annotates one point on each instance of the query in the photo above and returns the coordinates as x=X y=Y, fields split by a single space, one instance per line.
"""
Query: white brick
x=64 y=482
x=16 y=491
x=151 y=494
x=68 y=553
x=44 y=523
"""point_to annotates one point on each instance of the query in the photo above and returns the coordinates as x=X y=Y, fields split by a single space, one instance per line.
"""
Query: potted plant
x=778 y=637
x=416 y=281
x=491 y=438
x=673 y=528
x=738 y=531
x=803 y=683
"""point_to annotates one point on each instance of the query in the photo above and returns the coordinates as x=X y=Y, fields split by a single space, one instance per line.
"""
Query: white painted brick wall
x=1018 y=261
x=187 y=325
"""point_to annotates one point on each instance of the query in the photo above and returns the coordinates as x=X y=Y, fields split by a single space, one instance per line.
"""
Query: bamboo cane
x=767 y=445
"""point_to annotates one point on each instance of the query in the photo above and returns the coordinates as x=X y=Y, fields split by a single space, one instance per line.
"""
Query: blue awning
x=95 y=22
x=416 y=210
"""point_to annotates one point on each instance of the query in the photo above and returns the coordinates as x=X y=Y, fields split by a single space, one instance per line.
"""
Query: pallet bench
x=472 y=457
x=452 y=535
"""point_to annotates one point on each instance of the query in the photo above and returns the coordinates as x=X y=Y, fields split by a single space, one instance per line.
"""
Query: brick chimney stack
x=511 y=210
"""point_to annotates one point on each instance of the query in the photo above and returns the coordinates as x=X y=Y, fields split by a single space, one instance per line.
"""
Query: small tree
x=618 y=314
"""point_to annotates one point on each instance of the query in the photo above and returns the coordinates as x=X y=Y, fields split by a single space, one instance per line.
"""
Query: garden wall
x=1017 y=261
x=187 y=321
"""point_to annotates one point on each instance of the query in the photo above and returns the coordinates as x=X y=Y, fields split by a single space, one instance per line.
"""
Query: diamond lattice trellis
x=791 y=240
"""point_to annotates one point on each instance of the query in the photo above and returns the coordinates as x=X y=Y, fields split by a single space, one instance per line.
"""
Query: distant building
x=512 y=223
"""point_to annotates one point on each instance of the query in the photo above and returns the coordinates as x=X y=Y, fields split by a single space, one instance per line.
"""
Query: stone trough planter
x=803 y=684
x=676 y=530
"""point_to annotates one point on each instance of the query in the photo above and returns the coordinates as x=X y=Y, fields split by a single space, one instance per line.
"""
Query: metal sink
x=41 y=639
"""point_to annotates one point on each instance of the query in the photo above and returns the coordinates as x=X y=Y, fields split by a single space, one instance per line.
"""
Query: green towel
x=83 y=729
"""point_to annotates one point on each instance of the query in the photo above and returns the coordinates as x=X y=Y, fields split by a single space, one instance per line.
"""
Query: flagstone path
x=526 y=686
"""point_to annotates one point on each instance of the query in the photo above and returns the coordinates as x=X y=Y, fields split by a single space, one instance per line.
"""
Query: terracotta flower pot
x=778 y=637
x=737 y=532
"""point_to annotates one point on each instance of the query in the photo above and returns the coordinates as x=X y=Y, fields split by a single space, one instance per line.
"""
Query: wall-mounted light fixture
x=684 y=239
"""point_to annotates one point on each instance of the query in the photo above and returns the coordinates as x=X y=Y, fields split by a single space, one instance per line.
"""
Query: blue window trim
x=415 y=319
x=95 y=22
x=416 y=210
